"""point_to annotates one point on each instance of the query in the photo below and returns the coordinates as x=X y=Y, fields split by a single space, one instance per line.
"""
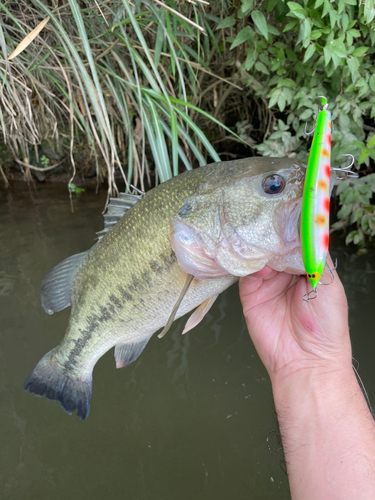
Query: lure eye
x=273 y=184
x=313 y=275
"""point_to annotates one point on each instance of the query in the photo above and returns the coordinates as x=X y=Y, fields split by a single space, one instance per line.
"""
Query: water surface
x=192 y=418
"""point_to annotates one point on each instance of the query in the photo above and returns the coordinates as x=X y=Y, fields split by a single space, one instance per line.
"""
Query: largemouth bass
x=174 y=250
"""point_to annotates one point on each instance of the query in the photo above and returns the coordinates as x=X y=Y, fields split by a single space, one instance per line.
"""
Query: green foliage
x=281 y=142
x=291 y=52
x=44 y=161
x=356 y=209
x=73 y=188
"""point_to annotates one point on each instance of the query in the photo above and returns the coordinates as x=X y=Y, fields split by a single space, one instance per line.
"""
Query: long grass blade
x=28 y=39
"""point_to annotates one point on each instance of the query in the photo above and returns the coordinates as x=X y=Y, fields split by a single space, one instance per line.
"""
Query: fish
x=161 y=255
x=316 y=201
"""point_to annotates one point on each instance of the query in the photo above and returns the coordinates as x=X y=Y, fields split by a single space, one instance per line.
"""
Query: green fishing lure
x=316 y=200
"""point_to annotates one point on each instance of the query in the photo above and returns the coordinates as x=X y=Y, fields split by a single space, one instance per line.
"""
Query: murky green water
x=193 y=418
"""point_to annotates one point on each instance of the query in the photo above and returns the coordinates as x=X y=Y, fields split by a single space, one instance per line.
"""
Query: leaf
x=246 y=7
x=297 y=10
x=333 y=18
x=309 y=52
x=344 y=21
x=363 y=156
x=228 y=22
x=338 y=48
x=369 y=11
x=260 y=22
x=350 y=236
x=304 y=33
x=292 y=56
x=250 y=59
x=342 y=187
x=356 y=215
x=275 y=94
x=371 y=142
x=344 y=211
x=306 y=114
x=359 y=51
x=259 y=66
x=327 y=8
x=272 y=30
x=341 y=6
x=354 y=33
x=271 y=4
x=315 y=34
x=340 y=224
x=28 y=39
x=290 y=26
x=243 y=36
x=327 y=55
x=353 y=65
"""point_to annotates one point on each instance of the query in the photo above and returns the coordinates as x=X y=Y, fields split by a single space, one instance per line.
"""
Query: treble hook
x=331 y=273
x=323 y=104
x=346 y=170
x=309 y=295
x=309 y=133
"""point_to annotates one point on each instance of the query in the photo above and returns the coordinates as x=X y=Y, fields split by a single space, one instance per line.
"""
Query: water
x=192 y=418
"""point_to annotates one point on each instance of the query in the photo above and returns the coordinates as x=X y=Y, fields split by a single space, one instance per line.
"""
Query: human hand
x=290 y=334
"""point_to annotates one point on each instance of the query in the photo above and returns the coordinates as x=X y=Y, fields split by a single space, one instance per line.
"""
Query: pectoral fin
x=199 y=314
x=127 y=353
x=189 y=279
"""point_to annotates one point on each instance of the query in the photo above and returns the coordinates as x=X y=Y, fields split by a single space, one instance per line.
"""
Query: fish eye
x=273 y=184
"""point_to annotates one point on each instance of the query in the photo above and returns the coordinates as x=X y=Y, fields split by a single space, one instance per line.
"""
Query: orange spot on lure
x=315 y=203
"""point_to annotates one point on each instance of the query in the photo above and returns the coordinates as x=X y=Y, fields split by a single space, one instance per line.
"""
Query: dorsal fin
x=117 y=207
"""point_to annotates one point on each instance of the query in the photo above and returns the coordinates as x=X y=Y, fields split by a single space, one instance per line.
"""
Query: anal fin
x=127 y=353
x=199 y=314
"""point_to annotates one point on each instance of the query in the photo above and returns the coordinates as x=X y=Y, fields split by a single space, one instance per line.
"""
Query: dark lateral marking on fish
x=124 y=294
x=145 y=276
x=170 y=259
x=106 y=313
x=156 y=266
x=114 y=300
x=81 y=342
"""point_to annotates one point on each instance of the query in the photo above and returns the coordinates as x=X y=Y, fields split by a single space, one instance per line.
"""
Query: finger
x=266 y=289
x=252 y=282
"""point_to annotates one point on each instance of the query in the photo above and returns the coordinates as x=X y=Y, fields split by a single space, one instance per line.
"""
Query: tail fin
x=51 y=380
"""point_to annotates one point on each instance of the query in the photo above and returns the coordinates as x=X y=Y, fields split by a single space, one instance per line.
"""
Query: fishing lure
x=316 y=201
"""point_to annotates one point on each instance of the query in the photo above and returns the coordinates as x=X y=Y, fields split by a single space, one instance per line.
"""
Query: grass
x=125 y=77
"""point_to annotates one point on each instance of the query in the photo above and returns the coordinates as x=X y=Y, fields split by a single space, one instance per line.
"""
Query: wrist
x=327 y=431
x=319 y=381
